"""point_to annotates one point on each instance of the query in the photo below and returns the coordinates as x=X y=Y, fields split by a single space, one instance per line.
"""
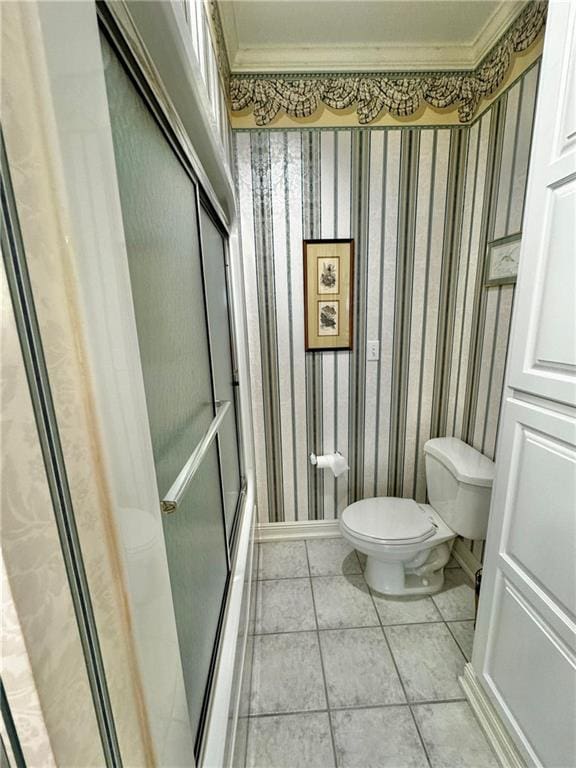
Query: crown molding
x=391 y=58
x=395 y=57
x=212 y=10
x=400 y=94
x=502 y=18
x=229 y=28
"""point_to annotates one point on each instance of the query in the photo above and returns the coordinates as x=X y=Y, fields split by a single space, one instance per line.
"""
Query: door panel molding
x=540 y=650
x=543 y=347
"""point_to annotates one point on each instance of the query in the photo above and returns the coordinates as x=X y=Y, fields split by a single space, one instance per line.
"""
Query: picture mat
x=328 y=250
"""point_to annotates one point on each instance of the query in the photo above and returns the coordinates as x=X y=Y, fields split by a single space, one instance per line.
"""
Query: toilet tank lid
x=466 y=463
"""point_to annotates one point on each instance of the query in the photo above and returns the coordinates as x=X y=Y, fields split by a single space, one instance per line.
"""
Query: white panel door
x=525 y=645
x=543 y=357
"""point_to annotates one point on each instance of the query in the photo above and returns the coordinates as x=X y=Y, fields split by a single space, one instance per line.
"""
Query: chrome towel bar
x=178 y=488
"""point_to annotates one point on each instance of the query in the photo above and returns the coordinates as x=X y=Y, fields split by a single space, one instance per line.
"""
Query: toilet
x=408 y=544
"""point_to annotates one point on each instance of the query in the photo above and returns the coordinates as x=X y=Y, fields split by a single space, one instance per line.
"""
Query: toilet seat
x=388 y=521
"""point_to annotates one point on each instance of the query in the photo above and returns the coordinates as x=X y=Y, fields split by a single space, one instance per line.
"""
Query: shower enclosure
x=177 y=254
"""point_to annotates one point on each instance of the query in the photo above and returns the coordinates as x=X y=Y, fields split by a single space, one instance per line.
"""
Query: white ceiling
x=361 y=35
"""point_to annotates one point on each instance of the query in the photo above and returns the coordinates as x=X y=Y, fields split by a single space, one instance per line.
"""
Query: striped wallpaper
x=420 y=203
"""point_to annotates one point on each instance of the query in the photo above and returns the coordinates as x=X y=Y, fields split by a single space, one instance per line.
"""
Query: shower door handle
x=178 y=488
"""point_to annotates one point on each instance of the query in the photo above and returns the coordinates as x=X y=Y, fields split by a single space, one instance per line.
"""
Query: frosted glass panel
x=162 y=238
x=219 y=322
x=158 y=206
x=197 y=563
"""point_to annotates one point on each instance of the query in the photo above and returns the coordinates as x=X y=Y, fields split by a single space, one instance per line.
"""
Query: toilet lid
x=389 y=520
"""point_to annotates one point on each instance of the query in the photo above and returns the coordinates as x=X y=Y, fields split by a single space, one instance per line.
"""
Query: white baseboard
x=307 y=529
x=466 y=559
x=498 y=737
x=329 y=529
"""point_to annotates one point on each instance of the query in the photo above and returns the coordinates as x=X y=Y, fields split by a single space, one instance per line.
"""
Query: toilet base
x=390 y=578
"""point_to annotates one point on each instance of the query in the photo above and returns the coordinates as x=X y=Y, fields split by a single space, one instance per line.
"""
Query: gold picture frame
x=328 y=280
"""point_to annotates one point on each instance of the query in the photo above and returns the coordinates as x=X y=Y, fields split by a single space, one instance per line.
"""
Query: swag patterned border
x=399 y=94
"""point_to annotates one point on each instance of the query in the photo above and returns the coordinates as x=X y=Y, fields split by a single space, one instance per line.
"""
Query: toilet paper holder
x=333 y=461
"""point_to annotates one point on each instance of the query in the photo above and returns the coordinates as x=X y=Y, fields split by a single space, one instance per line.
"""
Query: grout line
x=317 y=629
x=378 y=625
x=456 y=639
x=348 y=707
x=289 y=712
x=400 y=679
x=357 y=626
x=322 y=665
x=358 y=561
x=251 y=683
x=335 y=575
x=311 y=576
x=284 y=632
x=282 y=578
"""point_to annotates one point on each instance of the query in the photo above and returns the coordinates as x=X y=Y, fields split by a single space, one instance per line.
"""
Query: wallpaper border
x=397 y=126
x=399 y=94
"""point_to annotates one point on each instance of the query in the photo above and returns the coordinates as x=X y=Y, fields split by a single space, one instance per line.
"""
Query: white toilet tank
x=459 y=480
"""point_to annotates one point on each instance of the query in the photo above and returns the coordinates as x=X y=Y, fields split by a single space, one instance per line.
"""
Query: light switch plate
x=373 y=350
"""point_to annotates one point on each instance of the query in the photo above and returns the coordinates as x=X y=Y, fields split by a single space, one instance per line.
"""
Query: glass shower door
x=159 y=207
x=225 y=377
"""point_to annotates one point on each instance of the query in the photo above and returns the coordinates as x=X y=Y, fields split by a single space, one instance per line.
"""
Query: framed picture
x=328 y=279
x=502 y=258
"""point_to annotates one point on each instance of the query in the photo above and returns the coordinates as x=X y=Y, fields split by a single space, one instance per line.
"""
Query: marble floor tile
x=284 y=605
x=428 y=659
x=456 y=600
x=290 y=741
x=343 y=601
x=405 y=610
x=453 y=737
x=286 y=674
x=240 y=740
x=377 y=738
x=255 y=560
x=282 y=560
x=452 y=563
x=332 y=557
x=252 y=608
x=463 y=632
x=359 y=669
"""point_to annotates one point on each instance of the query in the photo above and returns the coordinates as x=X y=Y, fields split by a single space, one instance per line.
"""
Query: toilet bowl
x=407 y=544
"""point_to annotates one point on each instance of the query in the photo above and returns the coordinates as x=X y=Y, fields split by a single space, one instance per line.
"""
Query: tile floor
x=341 y=676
